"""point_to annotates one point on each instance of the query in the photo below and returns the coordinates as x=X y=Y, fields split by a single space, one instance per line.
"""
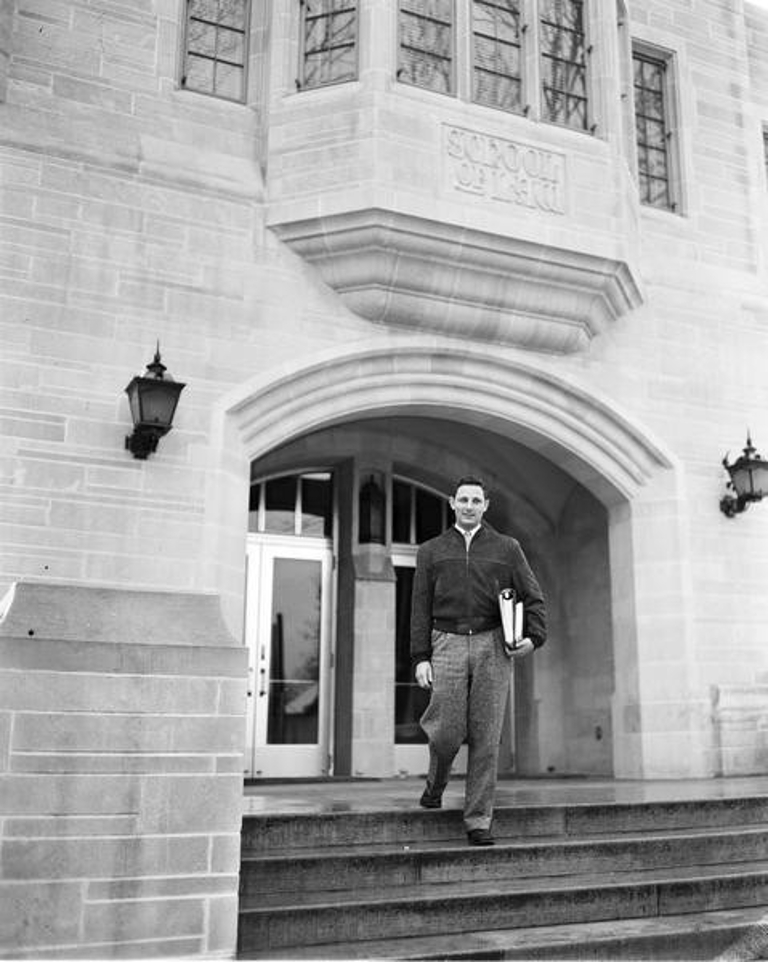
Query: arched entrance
x=517 y=414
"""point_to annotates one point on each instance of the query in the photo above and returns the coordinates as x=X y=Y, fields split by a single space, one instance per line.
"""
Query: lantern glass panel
x=158 y=402
x=760 y=478
x=741 y=481
x=134 y=400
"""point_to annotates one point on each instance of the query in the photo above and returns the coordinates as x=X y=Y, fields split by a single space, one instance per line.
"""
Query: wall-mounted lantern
x=749 y=479
x=373 y=513
x=153 y=398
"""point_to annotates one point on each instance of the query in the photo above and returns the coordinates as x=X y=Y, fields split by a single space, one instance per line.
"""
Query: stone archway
x=576 y=429
x=570 y=425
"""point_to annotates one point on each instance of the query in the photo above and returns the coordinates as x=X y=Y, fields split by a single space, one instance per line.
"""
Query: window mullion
x=531 y=42
x=261 y=524
x=463 y=50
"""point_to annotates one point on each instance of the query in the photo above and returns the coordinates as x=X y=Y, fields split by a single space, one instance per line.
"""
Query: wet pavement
x=400 y=794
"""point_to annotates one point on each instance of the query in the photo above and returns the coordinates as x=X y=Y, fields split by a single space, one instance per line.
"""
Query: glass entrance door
x=288 y=618
x=411 y=751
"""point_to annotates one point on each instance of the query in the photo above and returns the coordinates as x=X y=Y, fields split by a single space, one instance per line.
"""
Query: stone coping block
x=77 y=612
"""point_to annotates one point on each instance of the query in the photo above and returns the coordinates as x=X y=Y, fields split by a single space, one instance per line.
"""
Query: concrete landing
x=401 y=794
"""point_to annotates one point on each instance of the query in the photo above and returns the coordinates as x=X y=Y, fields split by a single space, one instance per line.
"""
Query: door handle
x=262 y=689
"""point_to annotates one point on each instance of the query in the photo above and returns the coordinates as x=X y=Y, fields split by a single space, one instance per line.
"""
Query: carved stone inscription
x=504 y=170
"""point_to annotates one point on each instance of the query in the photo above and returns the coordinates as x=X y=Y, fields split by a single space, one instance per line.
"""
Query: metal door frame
x=285 y=760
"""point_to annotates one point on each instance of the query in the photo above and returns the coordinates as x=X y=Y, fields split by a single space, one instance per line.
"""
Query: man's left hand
x=521 y=649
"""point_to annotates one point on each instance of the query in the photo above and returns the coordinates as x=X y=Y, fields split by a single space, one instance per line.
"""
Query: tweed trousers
x=470 y=685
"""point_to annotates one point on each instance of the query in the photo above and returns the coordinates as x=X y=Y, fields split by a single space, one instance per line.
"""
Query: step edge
x=412 y=894
x=717 y=920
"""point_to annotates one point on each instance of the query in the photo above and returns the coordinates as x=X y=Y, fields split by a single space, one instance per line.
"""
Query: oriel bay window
x=525 y=56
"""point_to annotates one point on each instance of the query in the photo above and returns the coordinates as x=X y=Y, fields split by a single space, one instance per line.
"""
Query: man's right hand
x=424 y=674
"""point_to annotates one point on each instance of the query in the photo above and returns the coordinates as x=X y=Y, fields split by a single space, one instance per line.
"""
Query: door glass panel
x=295 y=653
x=410 y=700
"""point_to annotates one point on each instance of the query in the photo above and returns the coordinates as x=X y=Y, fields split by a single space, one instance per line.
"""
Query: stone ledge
x=408 y=271
x=75 y=612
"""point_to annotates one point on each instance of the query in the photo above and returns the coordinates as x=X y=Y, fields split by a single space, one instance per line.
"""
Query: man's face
x=469 y=504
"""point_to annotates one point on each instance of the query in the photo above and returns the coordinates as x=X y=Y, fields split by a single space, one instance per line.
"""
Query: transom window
x=505 y=38
x=293 y=504
x=652 y=130
x=417 y=514
x=215 y=47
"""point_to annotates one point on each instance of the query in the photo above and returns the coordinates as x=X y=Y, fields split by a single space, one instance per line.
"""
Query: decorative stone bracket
x=407 y=271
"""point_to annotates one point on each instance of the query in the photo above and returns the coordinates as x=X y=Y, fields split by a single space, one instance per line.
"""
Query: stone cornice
x=412 y=272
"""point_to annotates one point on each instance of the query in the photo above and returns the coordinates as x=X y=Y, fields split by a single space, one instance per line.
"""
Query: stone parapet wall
x=120 y=796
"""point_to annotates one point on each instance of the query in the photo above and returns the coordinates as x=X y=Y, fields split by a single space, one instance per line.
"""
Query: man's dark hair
x=471 y=479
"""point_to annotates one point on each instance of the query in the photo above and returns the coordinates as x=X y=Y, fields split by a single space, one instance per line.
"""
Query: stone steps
x=361 y=867
x=278 y=832
x=338 y=884
x=689 y=937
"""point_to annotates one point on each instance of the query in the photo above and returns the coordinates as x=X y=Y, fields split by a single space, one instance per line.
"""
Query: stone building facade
x=383 y=243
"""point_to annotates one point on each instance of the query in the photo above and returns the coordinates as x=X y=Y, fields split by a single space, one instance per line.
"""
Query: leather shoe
x=480 y=836
x=428 y=800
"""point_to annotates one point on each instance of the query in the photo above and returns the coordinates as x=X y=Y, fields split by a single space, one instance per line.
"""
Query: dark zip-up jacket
x=456 y=589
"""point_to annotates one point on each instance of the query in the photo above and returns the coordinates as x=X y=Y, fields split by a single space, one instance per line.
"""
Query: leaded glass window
x=216 y=45
x=426 y=42
x=563 y=63
x=652 y=134
x=329 y=42
x=496 y=67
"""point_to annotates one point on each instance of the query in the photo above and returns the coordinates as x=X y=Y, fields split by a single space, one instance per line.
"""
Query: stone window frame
x=244 y=31
x=463 y=60
x=327 y=9
x=666 y=60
